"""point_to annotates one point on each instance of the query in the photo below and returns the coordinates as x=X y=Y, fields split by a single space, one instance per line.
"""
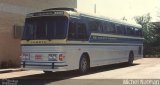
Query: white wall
x=86 y=6
x=27 y=6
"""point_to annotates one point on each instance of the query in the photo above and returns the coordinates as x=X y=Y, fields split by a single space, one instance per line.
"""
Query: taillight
x=61 y=57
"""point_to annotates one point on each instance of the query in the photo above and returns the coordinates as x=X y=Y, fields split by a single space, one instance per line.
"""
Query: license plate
x=38 y=57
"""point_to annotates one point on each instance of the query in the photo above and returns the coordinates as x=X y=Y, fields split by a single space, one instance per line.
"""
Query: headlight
x=26 y=56
x=52 y=57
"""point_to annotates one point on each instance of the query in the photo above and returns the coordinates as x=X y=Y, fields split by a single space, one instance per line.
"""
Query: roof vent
x=67 y=9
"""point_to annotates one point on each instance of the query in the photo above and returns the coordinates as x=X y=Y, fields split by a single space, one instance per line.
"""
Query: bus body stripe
x=89 y=44
x=95 y=38
x=113 y=35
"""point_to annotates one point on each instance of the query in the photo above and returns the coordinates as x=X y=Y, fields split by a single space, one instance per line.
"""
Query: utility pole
x=95 y=8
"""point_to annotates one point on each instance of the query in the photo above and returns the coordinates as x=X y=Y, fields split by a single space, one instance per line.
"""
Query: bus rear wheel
x=131 y=58
x=84 y=65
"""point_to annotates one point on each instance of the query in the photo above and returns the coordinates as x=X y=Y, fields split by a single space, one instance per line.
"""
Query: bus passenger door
x=77 y=36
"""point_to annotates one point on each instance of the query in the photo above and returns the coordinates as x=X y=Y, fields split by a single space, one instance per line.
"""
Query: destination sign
x=38 y=42
x=103 y=38
x=52 y=13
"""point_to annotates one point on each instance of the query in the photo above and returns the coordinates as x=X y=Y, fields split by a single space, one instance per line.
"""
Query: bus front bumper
x=45 y=66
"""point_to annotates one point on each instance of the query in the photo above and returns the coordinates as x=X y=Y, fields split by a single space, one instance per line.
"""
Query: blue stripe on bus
x=113 y=44
x=102 y=39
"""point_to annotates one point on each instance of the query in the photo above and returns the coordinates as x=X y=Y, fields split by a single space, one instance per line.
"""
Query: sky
x=122 y=8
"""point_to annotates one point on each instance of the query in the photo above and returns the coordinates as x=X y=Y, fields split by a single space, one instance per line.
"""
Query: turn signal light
x=61 y=57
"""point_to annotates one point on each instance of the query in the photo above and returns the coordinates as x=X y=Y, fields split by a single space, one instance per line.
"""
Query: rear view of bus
x=43 y=32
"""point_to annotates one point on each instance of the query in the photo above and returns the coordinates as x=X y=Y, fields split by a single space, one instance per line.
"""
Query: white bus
x=62 y=39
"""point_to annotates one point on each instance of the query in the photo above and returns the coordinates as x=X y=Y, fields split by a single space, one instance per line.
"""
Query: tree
x=124 y=18
x=151 y=32
x=157 y=33
x=147 y=26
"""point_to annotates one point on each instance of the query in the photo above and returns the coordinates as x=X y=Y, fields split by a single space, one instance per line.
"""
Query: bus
x=62 y=39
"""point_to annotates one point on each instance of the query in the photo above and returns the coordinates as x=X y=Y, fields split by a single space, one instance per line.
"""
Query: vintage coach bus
x=62 y=39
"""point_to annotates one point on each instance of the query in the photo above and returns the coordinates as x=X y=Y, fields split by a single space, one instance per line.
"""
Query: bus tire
x=84 y=64
x=131 y=58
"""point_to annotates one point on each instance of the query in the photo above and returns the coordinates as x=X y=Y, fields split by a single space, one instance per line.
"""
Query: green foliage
x=148 y=28
x=151 y=34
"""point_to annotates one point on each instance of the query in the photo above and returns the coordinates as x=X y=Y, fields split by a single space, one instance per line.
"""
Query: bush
x=149 y=49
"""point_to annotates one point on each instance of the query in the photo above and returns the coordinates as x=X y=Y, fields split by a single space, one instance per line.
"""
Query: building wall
x=42 y=3
x=12 y=12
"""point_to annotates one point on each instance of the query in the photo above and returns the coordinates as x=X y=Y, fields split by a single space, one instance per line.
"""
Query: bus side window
x=95 y=26
x=120 y=29
x=82 y=32
x=100 y=28
x=111 y=28
x=105 y=27
x=77 y=31
x=138 y=32
x=130 y=31
x=72 y=31
x=124 y=29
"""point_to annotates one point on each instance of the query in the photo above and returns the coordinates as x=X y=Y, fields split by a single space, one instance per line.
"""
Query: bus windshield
x=42 y=28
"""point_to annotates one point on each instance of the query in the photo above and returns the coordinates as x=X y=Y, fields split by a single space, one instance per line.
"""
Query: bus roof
x=94 y=16
x=73 y=13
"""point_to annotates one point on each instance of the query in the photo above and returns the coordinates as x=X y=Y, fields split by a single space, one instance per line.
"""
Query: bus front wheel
x=84 y=64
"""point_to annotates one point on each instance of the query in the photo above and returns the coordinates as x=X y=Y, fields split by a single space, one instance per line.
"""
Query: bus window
x=105 y=27
x=124 y=30
x=72 y=31
x=41 y=28
x=100 y=28
x=81 y=32
x=130 y=31
x=138 y=32
x=95 y=26
x=77 y=31
x=111 y=28
x=120 y=29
